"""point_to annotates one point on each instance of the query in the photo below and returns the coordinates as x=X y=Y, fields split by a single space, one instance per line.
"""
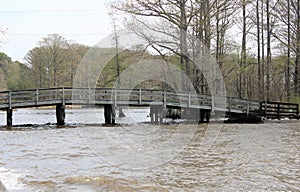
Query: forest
x=256 y=44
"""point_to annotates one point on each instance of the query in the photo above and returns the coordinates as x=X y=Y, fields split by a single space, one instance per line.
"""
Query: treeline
x=13 y=75
x=53 y=63
x=255 y=43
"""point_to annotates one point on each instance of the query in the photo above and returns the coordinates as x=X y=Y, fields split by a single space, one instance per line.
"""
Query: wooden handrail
x=36 y=97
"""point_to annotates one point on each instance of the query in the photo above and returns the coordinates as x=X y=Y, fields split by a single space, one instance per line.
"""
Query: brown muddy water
x=135 y=156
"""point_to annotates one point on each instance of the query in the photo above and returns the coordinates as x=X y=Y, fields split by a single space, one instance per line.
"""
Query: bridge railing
x=137 y=96
x=79 y=95
x=4 y=98
x=52 y=96
x=236 y=104
x=18 y=97
x=30 y=97
x=278 y=109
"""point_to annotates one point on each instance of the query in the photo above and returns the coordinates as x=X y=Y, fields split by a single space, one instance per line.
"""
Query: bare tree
x=259 y=79
x=174 y=26
x=242 y=83
x=54 y=47
x=36 y=59
x=178 y=14
x=117 y=60
x=297 y=67
x=54 y=63
x=268 y=15
x=288 y=35
x=288 y=73
x=262 y=50
x=74 y=54
x=225 y=11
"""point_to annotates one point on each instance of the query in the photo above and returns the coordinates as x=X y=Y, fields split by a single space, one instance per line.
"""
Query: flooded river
x=136 y=156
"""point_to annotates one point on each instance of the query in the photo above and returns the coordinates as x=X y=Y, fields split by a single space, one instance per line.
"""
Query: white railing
x=85 y=96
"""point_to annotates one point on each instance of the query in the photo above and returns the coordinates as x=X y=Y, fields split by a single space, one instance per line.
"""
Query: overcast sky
x=27 y=22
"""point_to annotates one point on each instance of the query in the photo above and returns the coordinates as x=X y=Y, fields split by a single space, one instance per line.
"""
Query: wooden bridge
x=201 y=105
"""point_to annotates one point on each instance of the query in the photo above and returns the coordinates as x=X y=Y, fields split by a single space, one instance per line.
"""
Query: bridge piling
x=205 y=115
x=156 y=114
x=9 y=113
x=60 y=114
x=109 y=115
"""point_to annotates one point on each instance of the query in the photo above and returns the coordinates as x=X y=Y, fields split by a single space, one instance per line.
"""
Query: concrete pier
x=60 y=114
x=9 y=113
x=109 y=115
x=204 y=116
x=156 y=114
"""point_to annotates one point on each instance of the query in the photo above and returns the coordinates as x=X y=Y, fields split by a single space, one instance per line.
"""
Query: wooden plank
x=84 y=96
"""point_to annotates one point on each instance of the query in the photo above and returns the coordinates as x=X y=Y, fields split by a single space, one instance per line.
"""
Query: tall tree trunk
x=297 y=68
x=218 y=33
x=258 y=51
x=243 y=53
x=183 y=43
x=287 y=77
x=121 y=113
x=262 y=51
x=268 y=49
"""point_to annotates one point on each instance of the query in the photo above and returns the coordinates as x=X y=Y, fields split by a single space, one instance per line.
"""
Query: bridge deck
x=139 y=97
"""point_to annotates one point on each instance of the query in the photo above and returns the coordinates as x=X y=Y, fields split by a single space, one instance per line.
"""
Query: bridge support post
x=9 y=113
x=196 y=114
x=208 y=116
x=60 y=114
x=204 y=115
x=156 y=114
x=109 y=115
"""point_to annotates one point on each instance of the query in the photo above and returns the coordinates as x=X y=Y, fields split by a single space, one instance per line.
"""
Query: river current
x=84 y=155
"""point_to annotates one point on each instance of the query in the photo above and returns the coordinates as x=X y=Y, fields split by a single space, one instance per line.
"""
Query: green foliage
x=108 y=76
x=295 y=100
x=4 y=63
x=14 y=75
x=4 y=57
x=19 y=77
x=54 y=63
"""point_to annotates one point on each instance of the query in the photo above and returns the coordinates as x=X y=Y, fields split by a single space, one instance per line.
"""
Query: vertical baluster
x=140 y=96
x=37 y=97
x=63 y=96
x=9 y=100
x=165 y=98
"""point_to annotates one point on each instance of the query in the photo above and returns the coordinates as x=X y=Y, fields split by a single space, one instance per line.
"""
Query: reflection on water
x=244 y=157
